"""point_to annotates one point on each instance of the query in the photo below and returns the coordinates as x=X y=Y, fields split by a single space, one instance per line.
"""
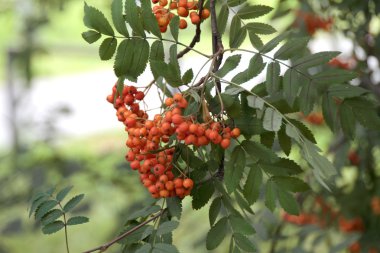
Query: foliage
x=49 y=210
x=254 y=167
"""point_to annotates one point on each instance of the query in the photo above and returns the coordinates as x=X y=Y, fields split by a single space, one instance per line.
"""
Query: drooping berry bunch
x=149 y=152
x=164 y=12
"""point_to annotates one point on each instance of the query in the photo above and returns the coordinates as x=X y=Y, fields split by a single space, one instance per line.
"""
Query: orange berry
x=173 y=5
x=169 y=101
x=163 y=178
x=225 y=143
x=182 y=12
x=178 y=182
x=182 y=103
x=163 y=29
x=110 y=97
x=235 y=132
x=177 y=97
x=182 y=24
x=205 y=13
x=163 y=2
x=182 y=3
x=195 y=19
x=159 y=169
x=163 y=21
x=164 y=193
x=188 y=183
x=177 y=119
x=140 y=95
x=169 y=185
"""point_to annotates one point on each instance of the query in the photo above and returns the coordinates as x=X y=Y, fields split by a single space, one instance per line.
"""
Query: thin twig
x=197 y=36
x=105 y=246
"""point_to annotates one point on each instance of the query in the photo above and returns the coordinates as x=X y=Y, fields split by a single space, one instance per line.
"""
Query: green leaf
x=308 y=96
x=95 y=19
x=188 y=76
x=117 y=17
x=255 y=102
x=107 y=48
x=331 y=76
x=270 y=195
x=145 y=248
x=330 y=111
x=320 y=163
x=253 y=11
x=283 y=167
x=291 y=48
x=214 y=210
x=44 y=208
x=346 y=91
x=51 y=216
x=273 y=80
x=259 y=28
x=133 y=17
x=284 y=140
x=237 y=33
x=216 y=234
x=167 y=227
x=230 y=64
x=157 y=51
x=77 y=220
x=287 y=202
x=252 y=185
x=202 y=194
x=274 y=42
x=123 y=59
x=234 y=169
x=174 y=27
x=255 y=67
x=347 y=120
x=259 y=151
x=150 y=20
x=144 y=212
x=222 y=19
x=174 y=206
x=267 y=139
x=243 y=203
x=91 y=36
x=272 y=120
x=63 y=193
x=291 y=85
x=36 y=202
x=240 y=225
x=255 y=40
x=292 y=184
x=243 y=243
x=73 y=202
x=52 y=227
x=365 y=112
x=139 y=58
x=314 y=59
x=233 y=3
x=164 y=248
x=303 y=130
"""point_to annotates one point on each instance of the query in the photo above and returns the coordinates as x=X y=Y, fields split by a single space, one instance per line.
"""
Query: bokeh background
x=56 y=128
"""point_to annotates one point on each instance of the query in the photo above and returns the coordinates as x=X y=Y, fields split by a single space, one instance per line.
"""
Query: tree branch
x=105 y=246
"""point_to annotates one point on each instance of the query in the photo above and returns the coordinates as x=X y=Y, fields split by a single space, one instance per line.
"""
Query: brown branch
x=105 y=246
x=197 y=36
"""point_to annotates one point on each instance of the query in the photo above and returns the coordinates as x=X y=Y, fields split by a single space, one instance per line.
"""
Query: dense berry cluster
x=149 y=152
x=164 y=12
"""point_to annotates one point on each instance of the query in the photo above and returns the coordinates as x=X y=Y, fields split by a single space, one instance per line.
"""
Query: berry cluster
x=314 y=22
x=147 y=140
x=164 y=12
